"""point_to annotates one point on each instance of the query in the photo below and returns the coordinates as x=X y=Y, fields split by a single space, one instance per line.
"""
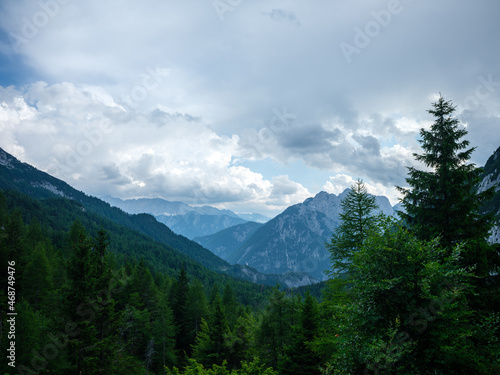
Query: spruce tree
x=81 y=289
x=37 y=278
x=196 y=308
x=357 y=220
x=90 y=305
x=210 y=347
x=442 y=201
x=179 y=309
x=299 y=358
x=107 y=319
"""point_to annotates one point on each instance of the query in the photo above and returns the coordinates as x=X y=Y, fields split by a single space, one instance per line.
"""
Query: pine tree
x=78 y=297
x=273 y=334
x=299 y=358
x=179 y=308
x=240 y=341
x=164 y=337
x=230 y=305
x=357 y=220
x=107 y=319
x=90 y=304
x=443 y=201
x=196 y=308
x=218 y=331
x=37 y=278
x=210 y=347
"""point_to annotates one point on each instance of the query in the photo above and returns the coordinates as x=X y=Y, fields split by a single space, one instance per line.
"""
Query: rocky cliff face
x=492 y=178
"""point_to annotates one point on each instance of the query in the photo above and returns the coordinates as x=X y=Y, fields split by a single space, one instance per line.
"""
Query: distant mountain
x=492 y=178
x=183 y=219
x=227 y=241
x=158 y=206
x=398 y=207
x=295 y=239
x=258 y=218
x=193 y=224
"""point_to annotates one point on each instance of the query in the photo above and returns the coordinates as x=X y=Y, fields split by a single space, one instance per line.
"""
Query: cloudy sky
x=251 y=105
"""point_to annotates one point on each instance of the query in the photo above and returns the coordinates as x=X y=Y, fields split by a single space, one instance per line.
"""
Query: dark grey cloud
x=307 y=139
x=281 y=15
x=111 y=174
x=162 y=118
x=370 y=145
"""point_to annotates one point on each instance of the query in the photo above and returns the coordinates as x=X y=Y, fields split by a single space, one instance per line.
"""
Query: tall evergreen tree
x=230 y=305
x=273 y=334
x=80 y=293
x=107 y=319
x=90 y=304
x=37 y=278
x=442 y=201
x=210 y=347
x=196 y=308
x=356 y=222
x=299 y=357
x=179 y=309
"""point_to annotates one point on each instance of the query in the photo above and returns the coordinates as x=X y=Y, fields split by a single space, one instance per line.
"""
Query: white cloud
x=162 y=97
x=100 y=148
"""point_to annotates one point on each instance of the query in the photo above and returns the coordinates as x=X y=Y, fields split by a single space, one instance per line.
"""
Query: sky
x=246 y=105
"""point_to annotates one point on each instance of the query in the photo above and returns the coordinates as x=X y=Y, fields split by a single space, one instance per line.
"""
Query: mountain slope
x=24 y=178
x=295 y=239
x=57 y=196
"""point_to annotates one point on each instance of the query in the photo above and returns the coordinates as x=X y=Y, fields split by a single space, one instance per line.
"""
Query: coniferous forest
x=83 y=293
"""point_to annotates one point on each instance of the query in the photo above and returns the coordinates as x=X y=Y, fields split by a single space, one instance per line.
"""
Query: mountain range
x=292 y=241
x=183 y=219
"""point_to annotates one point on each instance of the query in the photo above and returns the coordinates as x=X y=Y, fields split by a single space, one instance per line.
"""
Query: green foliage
x=37 y=278
x=299 y=358
x=196 y=308
x=357 y=221
x=443 y=201
x=406 y=310
x=255 y=367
